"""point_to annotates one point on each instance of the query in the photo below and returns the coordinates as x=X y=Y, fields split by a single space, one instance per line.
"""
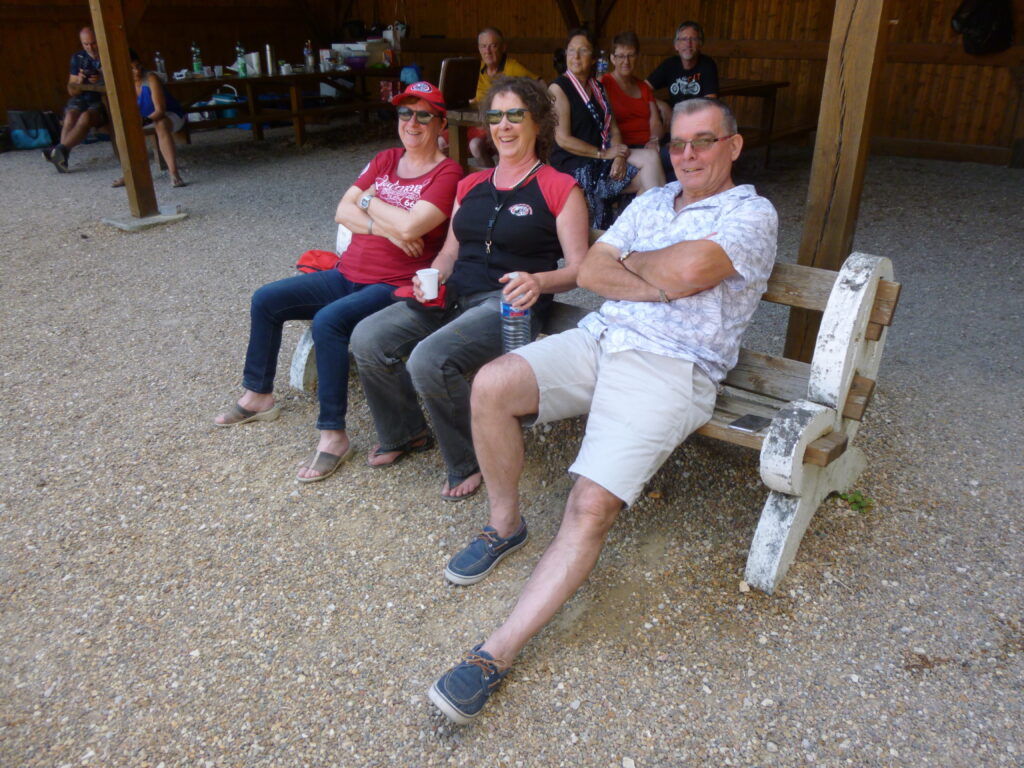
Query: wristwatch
x=364 y=201
x=626 y=255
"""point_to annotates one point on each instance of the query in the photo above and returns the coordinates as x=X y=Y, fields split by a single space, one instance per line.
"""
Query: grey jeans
x=442 y=349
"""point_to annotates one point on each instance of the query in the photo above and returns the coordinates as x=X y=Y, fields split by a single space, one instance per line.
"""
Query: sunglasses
x=422 y=116
x=493 y=116
x=703 y=144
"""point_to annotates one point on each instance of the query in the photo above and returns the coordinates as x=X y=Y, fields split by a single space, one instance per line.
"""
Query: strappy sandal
x=325 y=463
x=239 y=415
x=417 y=445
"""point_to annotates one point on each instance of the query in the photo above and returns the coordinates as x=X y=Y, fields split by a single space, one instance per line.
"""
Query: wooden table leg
x=255 y=124
x=298 y=121
x=458 y=144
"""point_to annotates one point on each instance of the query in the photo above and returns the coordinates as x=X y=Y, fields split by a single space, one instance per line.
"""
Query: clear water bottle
x=515 y=327
x=602 y=64
x=197 y=59
x=160 y=66
x=307 y=55
x=240 y=59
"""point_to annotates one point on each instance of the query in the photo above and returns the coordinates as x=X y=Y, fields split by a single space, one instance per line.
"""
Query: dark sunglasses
x=493 y=116
x=422 y=116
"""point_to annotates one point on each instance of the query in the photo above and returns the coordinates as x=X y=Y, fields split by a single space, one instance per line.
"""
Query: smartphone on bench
x=750 y=423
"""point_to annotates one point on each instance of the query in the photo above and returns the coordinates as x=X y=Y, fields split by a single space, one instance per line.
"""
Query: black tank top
x=582 y=125
x=525 y=237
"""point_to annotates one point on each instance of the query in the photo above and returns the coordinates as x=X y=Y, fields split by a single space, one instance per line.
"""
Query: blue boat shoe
x=462 y=691
x=483 y=553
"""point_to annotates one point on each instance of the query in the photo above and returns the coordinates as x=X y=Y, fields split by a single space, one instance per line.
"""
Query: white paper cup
x=218 y=70
x=428 y=282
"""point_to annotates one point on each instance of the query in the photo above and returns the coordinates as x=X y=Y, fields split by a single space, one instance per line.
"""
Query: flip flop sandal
x=448 y=497
x=179 y=182
x=416 y=445
x=239 y=415
x=325 y=463
x=118 y=183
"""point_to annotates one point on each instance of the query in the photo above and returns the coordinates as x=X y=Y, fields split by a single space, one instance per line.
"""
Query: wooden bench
x=815 y=408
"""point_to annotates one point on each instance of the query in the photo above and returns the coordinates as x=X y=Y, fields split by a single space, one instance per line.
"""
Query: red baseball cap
x=423 y=90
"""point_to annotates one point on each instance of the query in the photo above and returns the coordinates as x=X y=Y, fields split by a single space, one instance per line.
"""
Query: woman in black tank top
x=589 y=145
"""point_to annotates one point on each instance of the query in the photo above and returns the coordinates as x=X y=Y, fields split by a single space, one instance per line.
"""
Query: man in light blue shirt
x=683 y=268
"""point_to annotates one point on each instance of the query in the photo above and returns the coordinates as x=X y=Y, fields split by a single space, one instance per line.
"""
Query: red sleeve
x=469 y=182
x=555 y=186
x=381 y=162
x=441 y=189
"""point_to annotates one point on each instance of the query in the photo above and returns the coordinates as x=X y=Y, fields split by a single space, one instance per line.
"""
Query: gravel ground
x=170 y=596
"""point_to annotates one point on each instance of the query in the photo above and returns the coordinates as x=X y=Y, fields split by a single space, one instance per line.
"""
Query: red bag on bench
x=317 y=261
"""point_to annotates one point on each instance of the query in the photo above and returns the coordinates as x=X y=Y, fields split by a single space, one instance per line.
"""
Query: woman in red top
x=632 y=99
x=397 y=210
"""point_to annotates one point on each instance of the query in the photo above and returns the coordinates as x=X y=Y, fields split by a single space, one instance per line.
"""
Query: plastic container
x=515 y=327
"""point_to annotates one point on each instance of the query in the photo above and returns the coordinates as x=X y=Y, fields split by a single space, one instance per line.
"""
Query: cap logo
x=420 y=87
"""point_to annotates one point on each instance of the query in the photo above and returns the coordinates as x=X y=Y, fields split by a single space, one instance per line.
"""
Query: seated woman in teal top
x=161 y=113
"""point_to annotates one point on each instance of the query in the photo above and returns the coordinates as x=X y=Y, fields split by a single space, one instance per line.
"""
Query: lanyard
x=603 y=123
x=499 y=203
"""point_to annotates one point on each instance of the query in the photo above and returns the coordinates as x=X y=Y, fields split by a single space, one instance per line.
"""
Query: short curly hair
x=536 y=99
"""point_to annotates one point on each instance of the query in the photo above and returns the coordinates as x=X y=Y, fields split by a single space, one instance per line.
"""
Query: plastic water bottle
x=515 y=327
x=161 y=67
x=307 y=55
x=240 y=59
x=197 y=59
x=602 y=65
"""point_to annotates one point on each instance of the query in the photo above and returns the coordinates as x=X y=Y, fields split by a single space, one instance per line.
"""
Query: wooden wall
x=933 y=99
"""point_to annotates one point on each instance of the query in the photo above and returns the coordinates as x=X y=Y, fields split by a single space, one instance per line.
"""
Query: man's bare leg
x=565 y=565
x=503 y=390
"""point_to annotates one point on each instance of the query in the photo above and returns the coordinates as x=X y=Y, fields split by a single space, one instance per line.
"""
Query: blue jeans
x=335 y=304
x=442 y=349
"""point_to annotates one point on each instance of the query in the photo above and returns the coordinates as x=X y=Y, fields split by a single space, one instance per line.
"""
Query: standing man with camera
x=85 y=109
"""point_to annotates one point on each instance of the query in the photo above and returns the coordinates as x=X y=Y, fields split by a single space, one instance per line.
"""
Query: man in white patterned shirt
x=684 y=268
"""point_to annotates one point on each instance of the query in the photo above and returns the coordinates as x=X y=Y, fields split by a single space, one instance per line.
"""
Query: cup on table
x=428 y=282
x=218 y=70
x=208 y=71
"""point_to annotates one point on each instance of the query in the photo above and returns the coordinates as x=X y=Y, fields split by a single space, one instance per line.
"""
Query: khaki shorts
x=641 y=405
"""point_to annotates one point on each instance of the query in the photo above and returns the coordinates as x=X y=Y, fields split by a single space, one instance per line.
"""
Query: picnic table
x=196 y=93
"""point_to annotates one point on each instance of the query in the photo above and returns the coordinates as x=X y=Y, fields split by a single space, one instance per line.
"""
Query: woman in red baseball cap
x=398 y=213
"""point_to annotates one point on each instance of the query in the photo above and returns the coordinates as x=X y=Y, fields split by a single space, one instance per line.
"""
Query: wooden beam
x=109 y=24
x=134 y=10
x=827 y=449
x=840 y=152
x=569 y=14
x=603 y=12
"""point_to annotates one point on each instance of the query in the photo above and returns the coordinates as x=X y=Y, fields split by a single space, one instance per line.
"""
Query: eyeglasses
x=422 y=116
x=622 y=56
x=702 y=144
x=493 y=116
x=578 y=51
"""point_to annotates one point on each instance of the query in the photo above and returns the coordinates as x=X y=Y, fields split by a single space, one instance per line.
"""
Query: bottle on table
x=602 y=64
x=240 y=59
x=307 y=55
x=515 y=327
x=197 y=59
x=160 y=66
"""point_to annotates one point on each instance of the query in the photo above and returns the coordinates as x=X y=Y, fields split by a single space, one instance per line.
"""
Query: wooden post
x=840 y=152
x=109 y=26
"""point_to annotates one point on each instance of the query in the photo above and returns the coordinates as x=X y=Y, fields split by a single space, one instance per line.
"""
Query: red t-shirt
x=373 y=259
x=632 y=115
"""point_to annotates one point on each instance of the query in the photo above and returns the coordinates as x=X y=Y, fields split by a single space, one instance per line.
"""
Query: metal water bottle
x=515 y=326
x=160 y=66
x=271 y=61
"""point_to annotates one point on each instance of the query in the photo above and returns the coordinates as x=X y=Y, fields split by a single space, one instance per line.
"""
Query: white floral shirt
x=704 y=328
